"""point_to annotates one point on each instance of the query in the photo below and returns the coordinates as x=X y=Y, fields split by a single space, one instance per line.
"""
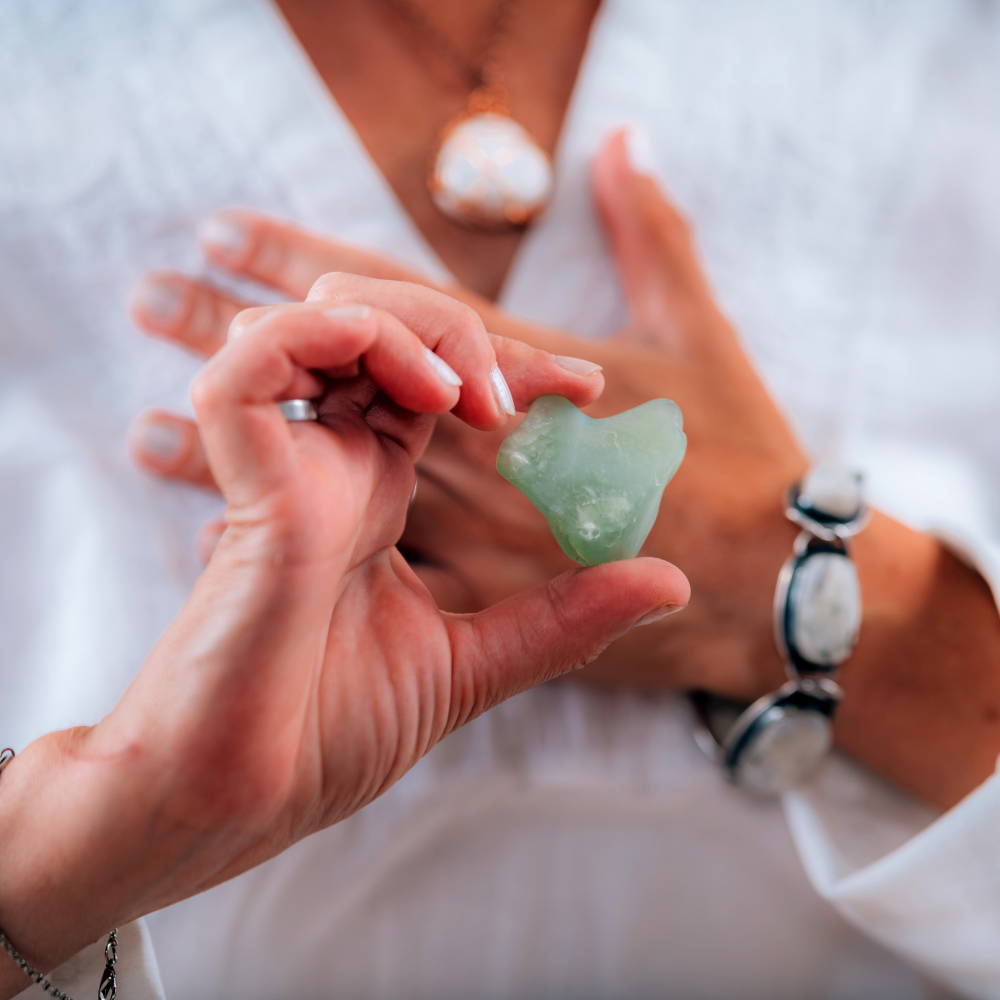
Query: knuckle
x=245 y=317
x=558 y=605
x=200 y=392
x=332 y=286
x=469 y=326
x=470 y=319
x=206 y=389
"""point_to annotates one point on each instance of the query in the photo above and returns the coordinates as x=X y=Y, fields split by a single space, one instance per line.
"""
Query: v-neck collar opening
x=337 y=125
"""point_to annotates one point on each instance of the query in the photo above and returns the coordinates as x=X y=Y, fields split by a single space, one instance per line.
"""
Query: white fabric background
x=840 y=160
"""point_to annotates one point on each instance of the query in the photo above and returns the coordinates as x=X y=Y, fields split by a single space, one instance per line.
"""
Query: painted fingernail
x=158 y=438
x=502 y=392
x=641 y=155
x=660 y=613
x=159 y=299
x=225 y=233
x=442 y=369
x=576 y=365
x=348 y=312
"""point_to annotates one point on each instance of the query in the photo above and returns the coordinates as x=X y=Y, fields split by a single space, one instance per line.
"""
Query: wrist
x=896 y=568
x=922 y=691
x=56 y=890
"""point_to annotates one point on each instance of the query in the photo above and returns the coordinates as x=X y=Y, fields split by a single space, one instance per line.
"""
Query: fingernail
x=158 y=438
x=502 y=392
x=225 y=233
x=158 y=299
x=576 y=365
x=442 y=369
x=641 y=155
x=348 y=312
x=665 y=612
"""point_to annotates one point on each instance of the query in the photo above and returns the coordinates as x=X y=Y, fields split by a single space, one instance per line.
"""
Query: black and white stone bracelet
x=775 y=743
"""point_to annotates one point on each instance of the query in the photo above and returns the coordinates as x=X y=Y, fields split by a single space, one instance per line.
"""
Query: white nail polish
x=660 y=613
x=223 y=232
x=641 y=154
x=157 y=438
x=442 y=369
x=157 y=299
x=348 y=312
x=502 y=391
x=578 y=366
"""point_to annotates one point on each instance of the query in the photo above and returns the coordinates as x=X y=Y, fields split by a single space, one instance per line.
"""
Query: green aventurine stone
x=598 y=482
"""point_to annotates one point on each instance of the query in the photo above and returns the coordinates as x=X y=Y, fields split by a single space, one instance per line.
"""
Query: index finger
x=451 y=330
x=500 y=375
x=249 y=444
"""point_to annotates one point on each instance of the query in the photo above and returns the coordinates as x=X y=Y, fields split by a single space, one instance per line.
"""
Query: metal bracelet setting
x=772 y=745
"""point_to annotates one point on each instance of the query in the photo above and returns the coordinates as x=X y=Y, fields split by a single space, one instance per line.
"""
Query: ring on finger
x=298 y=410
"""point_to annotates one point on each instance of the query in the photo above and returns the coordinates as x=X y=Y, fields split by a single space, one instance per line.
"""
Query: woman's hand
x=309 y=668
x=923 y=687
x=470 y=535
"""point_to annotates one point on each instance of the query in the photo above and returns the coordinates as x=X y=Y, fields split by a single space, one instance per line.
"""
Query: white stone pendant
x=490 y=173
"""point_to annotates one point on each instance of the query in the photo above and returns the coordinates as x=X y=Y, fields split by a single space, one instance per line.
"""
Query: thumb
x=543 y=632
x=669 y=299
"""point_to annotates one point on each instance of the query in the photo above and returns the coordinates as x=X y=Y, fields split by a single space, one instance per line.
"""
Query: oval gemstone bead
x=785 y=752
x=825 y=601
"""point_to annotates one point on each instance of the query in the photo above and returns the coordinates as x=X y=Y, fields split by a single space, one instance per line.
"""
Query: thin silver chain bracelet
x=108 y=989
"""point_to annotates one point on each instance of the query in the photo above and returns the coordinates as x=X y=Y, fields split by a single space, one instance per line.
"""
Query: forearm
x=100 y=825
x=922 y=690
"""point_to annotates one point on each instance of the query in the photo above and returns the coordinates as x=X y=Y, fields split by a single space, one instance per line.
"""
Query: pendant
x=488 y=172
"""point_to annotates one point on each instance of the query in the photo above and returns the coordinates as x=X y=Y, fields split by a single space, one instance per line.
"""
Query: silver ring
x=298 y=410
x=6 y=756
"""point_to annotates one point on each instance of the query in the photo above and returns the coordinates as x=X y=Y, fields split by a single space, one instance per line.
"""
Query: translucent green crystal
x=598 y=482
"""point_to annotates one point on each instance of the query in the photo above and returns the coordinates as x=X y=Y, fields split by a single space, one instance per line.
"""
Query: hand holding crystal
x=474 y=539
x=310 y=668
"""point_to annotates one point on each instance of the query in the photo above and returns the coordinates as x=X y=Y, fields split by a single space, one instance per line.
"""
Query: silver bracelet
x=774 y=744
x=108 y=989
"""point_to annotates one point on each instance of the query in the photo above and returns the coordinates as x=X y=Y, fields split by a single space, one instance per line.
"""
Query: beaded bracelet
x=108 y=989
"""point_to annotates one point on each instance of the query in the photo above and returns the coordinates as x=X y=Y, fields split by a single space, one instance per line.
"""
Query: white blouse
x=840 y=161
